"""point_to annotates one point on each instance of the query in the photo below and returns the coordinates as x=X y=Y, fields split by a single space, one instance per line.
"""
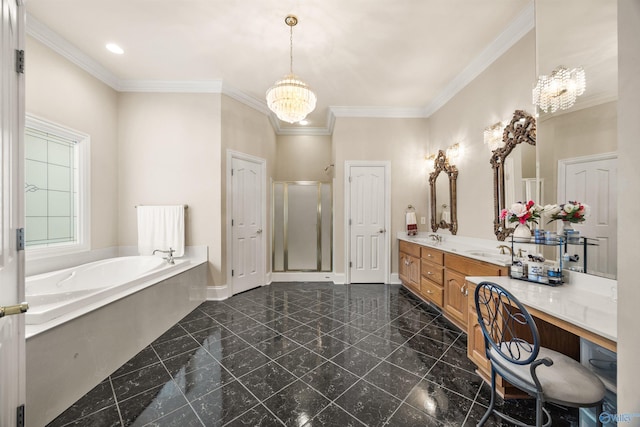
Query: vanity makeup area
x=549 y=157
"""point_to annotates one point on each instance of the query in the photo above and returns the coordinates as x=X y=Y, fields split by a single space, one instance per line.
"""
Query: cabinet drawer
x=410 y=248
x=471 y=267
x=432 y=291
x=433 y=255
x=432 y=271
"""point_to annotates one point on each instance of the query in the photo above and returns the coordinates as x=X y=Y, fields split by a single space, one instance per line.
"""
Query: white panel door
x=12 y=341
x=368 y=250
x=247 y=202
x=593 y=181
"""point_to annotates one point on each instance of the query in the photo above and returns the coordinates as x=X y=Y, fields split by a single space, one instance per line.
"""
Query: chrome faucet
x=436 y=237
x=168 y=258
x=504 y=249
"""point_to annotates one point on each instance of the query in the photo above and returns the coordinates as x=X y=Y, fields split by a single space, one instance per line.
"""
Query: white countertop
x=591 y=311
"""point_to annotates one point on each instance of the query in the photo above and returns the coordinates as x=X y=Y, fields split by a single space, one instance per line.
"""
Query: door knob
x=259 y=231
x=14 y=309
x=381 y=231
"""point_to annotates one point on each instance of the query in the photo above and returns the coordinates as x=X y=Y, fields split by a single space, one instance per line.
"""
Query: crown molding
x=52 y=40
x=517 y=29
x=378 y=112
x=244 y=98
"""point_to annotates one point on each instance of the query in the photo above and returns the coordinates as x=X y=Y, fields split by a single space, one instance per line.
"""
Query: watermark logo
x=607 y=417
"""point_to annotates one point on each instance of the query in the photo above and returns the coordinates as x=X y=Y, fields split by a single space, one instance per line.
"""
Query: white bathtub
x=58 y=293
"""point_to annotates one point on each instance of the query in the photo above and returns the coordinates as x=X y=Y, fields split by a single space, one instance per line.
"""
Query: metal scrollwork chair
x=512 y=345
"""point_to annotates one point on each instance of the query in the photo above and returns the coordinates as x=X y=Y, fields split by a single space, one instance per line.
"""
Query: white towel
x=161 y=227
x=446 y=216
x=412 y=224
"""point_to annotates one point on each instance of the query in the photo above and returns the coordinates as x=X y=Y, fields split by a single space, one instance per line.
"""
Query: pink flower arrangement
x=522 y=212
x=571 y=211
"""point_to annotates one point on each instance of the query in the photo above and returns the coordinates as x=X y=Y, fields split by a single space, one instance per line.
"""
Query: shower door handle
x=14 y=309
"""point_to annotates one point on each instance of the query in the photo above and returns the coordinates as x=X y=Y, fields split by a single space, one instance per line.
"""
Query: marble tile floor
x=301 y=354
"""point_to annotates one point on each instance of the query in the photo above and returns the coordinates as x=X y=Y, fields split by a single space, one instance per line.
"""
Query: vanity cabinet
x=409 y=265
x=456 y=288
x=432 y=275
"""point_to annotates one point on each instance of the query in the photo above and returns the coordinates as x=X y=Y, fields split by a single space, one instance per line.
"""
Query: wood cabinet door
x=409 y=271
x=475 y=343
x=455 y=298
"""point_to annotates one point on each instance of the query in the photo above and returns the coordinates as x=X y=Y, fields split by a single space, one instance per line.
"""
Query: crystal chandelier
x=559 y=90
x=290 y=98
x=493 y=136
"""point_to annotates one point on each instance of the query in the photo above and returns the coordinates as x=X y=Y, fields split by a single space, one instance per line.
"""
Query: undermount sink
x=493 y=255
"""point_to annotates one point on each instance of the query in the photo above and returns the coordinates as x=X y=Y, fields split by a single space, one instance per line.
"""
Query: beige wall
x=303 y=158
x=580 y=133
x=628 y=225
x=61 y=92
x=403 y=142
x=169 y=153
x=247 y=131
x=493 y=96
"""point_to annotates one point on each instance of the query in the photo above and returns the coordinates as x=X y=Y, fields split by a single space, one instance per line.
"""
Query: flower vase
x=522 y=232
x=566 y=225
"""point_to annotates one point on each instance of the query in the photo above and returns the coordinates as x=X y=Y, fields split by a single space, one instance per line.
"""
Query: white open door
x=368 y=221
x=247 y=218
x=593 y=180
x=12 y=338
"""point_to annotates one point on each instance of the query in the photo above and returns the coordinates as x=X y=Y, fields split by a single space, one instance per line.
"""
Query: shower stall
x=302 y=226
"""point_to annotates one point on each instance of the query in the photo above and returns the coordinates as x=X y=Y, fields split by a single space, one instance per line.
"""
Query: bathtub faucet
x=168 y=258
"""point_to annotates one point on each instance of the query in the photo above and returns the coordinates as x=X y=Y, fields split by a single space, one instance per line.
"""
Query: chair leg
x=539 y=415
x=493 y=399
x=598 y=412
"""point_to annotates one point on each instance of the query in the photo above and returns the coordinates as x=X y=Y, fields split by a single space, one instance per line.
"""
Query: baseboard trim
x=217 y=293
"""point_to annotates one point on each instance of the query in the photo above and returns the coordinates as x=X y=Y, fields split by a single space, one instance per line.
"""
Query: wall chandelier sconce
x=290 y=98
x=559 y=90
x=430 y=161
x=453 y=152
x=493 y=136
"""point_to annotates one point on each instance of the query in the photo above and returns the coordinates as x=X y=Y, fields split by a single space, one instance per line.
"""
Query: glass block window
x=53 y=186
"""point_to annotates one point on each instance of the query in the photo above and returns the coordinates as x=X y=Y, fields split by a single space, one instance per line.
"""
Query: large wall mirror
x=513 y=167
x=576 y=147
x=442 y=184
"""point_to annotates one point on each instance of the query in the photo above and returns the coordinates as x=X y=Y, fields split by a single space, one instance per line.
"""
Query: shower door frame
x=285 y=260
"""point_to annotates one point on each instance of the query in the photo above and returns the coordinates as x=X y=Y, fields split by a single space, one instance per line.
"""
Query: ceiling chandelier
x=559 y=90
x=290 y=98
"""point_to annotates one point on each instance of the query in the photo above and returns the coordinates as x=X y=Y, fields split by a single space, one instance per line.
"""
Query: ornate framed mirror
x=521 y=130
x=443 y=215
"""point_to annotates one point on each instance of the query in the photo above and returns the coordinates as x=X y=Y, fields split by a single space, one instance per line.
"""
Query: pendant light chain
x=291 y=49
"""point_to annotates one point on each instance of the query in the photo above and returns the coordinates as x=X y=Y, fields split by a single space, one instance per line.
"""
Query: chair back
x=506 y=324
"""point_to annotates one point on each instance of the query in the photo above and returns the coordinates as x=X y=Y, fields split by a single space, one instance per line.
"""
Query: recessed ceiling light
x=303 y=122
x=112 y=47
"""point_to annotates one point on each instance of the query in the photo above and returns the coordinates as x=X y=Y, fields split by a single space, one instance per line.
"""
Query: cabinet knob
x=429 y=292
x=429 y=273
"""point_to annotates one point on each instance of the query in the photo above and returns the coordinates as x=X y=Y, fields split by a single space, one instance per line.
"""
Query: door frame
x=348 y=164
x=231 y=154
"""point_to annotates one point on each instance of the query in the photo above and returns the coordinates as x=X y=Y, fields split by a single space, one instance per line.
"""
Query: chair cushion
x=564 y=381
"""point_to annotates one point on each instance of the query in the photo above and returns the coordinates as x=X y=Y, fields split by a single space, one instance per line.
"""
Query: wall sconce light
x=453 y=152
x=430 y=159
x=493 y=136
x=559 y=90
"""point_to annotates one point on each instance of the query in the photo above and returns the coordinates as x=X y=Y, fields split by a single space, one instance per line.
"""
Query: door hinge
x=20 y=416
x=19 y=61
x=350 y=264
x=232 y=223
x=20 y=239
x=231 y=172
x=231 y=273
x=349 y=178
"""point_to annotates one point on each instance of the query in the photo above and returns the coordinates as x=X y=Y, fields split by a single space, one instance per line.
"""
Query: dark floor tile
x=267 y=380
x=427 y=346
x=368 y=403
x=195 y=314
x=457 y=356
x=199 y=324
x=302 y=334
x=325 y=324
x=349 y=334
x=225 y=347
x=330 y=379
x=391 y=333
x=213 y=334
x=107 y=417
x=455 y=379
x=242 y=324
x=151 y=405
x=202 y=381
x=276 y=346
x=283 y=324
x=438 y=333
x=356 y=361
x=244 y=361
x=327 y=346
x=145 y=358
x=175 y=346
x=296 y=404
x=321 y=308
x=300 y=361
x=439 y=402
x=305 y=316
x=342 y=315
x=213 y=308
x=377 y=346
x=258 y=416
x=100 y=397
x=223 y=404
x=181 y=417
x=266 y=315
x=139 y=381
x=174 y=332
x=411 y=360
x=444 y=323
x=333 y=416
x=392 y=379
x=189 y=361
x=407 y=416
x=230 y=317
